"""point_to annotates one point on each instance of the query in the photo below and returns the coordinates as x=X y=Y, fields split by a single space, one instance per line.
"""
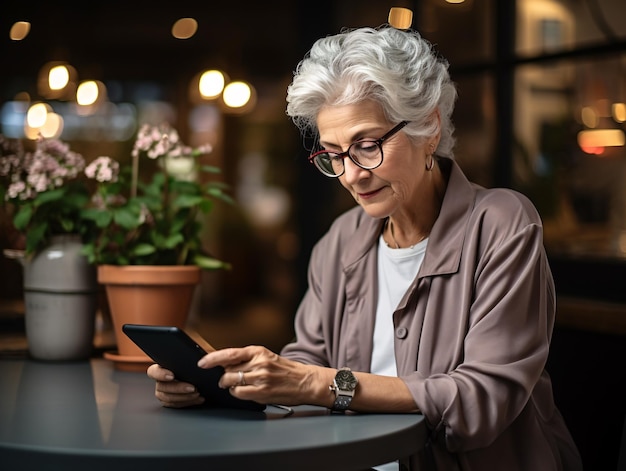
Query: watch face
x=345 y=380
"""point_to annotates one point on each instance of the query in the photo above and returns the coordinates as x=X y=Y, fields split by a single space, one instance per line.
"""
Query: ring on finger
x=242 y=380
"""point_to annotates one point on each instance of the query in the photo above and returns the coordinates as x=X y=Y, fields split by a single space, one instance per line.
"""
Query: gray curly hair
x=398 y=69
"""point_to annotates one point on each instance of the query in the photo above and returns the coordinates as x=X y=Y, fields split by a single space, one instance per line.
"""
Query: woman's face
x=399 y=183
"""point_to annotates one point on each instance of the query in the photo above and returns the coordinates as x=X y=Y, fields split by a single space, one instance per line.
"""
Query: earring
x=429 y=166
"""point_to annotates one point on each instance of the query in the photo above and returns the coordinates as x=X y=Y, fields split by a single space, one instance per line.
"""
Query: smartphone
x=173 y=349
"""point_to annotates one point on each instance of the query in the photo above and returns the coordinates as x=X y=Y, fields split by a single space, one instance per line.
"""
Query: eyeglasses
x=366 y=153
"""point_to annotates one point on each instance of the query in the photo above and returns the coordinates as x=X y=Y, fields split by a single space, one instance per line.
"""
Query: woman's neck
x=407 y=228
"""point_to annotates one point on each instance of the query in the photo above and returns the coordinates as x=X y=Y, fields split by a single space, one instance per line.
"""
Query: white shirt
x=397 y=268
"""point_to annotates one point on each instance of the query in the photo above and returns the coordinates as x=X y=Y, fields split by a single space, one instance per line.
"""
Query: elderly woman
x=433 y=294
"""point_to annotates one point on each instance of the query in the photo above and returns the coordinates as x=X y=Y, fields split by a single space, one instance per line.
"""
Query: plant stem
x=135 y=176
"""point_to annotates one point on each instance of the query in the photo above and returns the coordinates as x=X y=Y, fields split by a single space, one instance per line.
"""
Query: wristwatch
x=344 y=386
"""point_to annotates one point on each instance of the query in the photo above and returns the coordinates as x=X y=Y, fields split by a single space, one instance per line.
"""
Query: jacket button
x=402 y=332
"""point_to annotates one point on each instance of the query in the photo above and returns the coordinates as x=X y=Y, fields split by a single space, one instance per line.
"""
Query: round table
x=91 y=416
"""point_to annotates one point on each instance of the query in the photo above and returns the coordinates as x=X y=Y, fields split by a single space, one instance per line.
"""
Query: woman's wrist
x=320 y=380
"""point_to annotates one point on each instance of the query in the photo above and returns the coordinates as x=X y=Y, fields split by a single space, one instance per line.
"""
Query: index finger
x=225 y=357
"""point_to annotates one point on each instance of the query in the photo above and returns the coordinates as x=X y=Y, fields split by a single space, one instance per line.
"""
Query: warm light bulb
x=58 y=77
x=184 y=28
x=19 y=30
x=619 y=112
x=400 y=18
x=87 y=93
x=211 y=83
x=37 y=115
x=237 y=94
x=595 y=138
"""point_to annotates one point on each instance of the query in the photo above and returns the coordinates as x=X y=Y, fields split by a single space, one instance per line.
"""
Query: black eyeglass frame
x=342 y=155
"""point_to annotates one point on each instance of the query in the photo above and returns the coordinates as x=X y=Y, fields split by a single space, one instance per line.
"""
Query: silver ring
x=242 y=380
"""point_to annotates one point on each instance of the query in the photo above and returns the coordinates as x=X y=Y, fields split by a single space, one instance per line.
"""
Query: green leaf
x=102 y=218
x=210 y=263
x=182 y=186
x=178 y=225
x=219 y=194
x=173 y=240
x=35 y=237
x=67 y=225
x=187 y=201
x=206 y=206
x=126 y=218
x=50 y=195
x=89 y=251
x=23 y=216
x=144 y=249
x=210 y=169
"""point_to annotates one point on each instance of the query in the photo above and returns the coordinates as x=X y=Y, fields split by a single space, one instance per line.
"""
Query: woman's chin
x=375 y=210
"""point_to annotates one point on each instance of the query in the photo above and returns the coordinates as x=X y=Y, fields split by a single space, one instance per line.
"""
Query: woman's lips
x=369 y=194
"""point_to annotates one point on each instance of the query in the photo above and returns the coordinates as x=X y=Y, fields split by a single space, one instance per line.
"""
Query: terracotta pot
x=155 y=295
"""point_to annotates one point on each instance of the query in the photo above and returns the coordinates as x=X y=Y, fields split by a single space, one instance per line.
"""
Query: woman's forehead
x=350 y=121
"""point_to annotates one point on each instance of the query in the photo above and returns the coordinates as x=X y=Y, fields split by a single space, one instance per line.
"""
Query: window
x=543 y=110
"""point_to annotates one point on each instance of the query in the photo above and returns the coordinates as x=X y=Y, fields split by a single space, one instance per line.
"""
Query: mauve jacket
x=472 y=333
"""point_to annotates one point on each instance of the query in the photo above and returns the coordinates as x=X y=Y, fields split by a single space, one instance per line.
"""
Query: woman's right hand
x=171 y=392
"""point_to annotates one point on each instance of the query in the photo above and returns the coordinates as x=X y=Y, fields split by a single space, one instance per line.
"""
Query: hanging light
x=184 y=28
x=57 y=81
x=592 y=140
x=37 y=114
x=19 y=30
x=211 y=83
x=87 y=93
x=58 y=77
x=237 y=94
x=619 y=112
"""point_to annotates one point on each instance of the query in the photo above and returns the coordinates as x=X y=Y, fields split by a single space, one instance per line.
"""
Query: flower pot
x=155 y=295
x=60 y=297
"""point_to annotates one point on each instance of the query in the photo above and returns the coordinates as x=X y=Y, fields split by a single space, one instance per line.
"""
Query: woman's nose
x=352 y=172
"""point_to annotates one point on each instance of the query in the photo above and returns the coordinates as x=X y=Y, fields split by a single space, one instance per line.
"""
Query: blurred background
x=542 y=93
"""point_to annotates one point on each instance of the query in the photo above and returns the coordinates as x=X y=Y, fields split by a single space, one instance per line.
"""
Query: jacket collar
x=443 y=253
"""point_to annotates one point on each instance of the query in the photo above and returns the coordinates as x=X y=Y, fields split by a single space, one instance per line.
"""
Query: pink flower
x=15 y=189
x=103 y=169
x=161 y=141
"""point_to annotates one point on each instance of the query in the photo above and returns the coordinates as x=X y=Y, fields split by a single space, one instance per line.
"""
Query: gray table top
x=92 y=416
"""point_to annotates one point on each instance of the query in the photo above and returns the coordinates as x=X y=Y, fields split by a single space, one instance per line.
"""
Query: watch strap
x=342 y=402
x=343 y=397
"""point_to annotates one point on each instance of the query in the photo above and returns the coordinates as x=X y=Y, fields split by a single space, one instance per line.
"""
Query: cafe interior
x=541 y=109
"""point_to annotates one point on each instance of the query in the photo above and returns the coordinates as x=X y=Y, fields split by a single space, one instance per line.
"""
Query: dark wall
x=588 y=368
x=589 y=381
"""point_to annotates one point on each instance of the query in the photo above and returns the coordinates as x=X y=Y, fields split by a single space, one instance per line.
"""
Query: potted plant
x=146 y=234
x=143 y=232
x=44 y=190
x=153 y=221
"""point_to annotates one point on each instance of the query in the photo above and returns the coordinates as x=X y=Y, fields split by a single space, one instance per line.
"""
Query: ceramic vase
x=60 y=297
x=154 y=295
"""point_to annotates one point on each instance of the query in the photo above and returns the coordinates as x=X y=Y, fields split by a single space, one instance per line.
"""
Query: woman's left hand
x=258 y=374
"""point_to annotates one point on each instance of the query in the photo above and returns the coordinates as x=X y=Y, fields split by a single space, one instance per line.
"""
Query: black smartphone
x=173 y=349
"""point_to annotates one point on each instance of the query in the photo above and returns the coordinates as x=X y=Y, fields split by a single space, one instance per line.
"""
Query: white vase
x=60 y=294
